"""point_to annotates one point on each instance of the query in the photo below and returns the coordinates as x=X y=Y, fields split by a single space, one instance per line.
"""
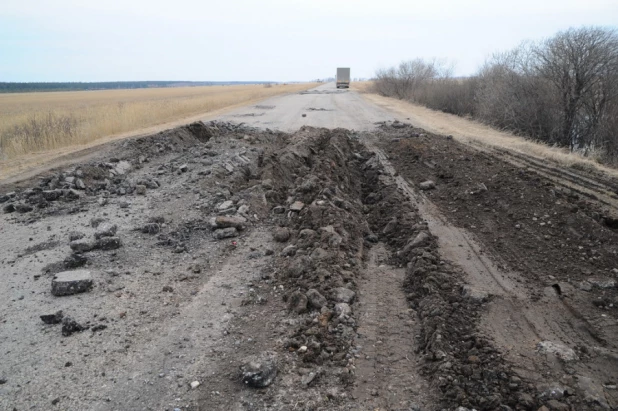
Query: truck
x=343 y=77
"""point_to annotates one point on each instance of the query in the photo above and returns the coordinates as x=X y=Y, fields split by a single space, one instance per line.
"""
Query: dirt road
x=238 y=267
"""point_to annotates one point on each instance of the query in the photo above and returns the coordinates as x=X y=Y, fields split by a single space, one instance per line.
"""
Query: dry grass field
x=35 y=122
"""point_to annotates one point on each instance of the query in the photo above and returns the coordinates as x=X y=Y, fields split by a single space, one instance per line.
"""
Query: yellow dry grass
x=35 y=122
x=475 y=133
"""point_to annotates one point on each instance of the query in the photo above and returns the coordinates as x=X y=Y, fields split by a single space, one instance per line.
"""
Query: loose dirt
x=311 y=265
x=550 y=276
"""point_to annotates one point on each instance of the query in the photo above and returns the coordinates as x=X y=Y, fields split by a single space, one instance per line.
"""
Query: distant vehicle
x=343 y=77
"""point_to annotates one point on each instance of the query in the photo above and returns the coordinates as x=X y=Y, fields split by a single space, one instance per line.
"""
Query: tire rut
x=519 y=319
x=387 y=372
x=603 y=190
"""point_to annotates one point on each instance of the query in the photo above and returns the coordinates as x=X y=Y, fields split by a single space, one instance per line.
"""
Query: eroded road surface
x=311 y=252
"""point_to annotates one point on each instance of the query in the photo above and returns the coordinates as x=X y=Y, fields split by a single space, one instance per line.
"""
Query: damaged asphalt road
x=220 y=266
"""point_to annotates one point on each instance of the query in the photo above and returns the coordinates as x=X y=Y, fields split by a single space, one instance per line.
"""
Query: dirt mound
x=550 y=246
x=460 y=362
x=225 y=258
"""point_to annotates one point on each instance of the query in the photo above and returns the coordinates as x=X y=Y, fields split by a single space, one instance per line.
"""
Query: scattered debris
x=71 y=282
x=259 y=371
x=55 y=318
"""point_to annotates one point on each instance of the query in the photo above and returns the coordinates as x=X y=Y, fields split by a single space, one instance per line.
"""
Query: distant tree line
x=110 y=85
x=562 y=90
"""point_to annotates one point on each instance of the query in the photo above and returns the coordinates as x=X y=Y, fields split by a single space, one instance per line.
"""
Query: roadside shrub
x=451 y=95
x=562 y=91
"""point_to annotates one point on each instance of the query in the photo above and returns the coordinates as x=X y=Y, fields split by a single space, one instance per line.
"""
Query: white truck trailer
x=343 y=77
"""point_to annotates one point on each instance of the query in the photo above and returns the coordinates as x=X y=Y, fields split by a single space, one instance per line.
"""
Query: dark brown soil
x=548 y=238
x=545 y=233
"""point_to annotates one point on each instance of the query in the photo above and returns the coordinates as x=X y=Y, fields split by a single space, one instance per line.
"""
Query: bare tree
x=510 y=96
x=581 y=65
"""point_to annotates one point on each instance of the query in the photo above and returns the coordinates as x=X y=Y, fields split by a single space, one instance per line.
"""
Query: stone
x=420 y=240
x=71 y=282
x=279 y=210
x=184 y=168
x=392 y=225
x=309 y=185
x=427 y=185
x=343 y=295
x=70 y=326
x=254 y=255
x=343 y=310
x=105 y=230
x=71 y=194
x=222 y=233
x=195 y=384
x=55 y=318
x=297 y=302
x=289 y=251
x=243 y=209
x=108 y=243
x=308 y=378
x=23 y=208
x=51 y=195
x=79 y=184
x=259 y=371
x=151 y=228
x=8 y=208
x=557 y=349
x=297 y=206
x=82 y=245
x=372 y=238
x=281 y=234
x=316 y=300
x=602 y=283
x=75 y=260
x=565 y=289
x=76 y=235
x=552 y=391
x=474 y=294
x=140 y=189
x=226 y=205
x=237 y=222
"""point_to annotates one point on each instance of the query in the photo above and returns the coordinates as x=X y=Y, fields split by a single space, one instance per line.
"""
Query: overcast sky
x=280 y=40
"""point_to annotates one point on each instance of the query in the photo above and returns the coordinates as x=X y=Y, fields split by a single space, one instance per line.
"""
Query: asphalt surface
x=323 y=106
